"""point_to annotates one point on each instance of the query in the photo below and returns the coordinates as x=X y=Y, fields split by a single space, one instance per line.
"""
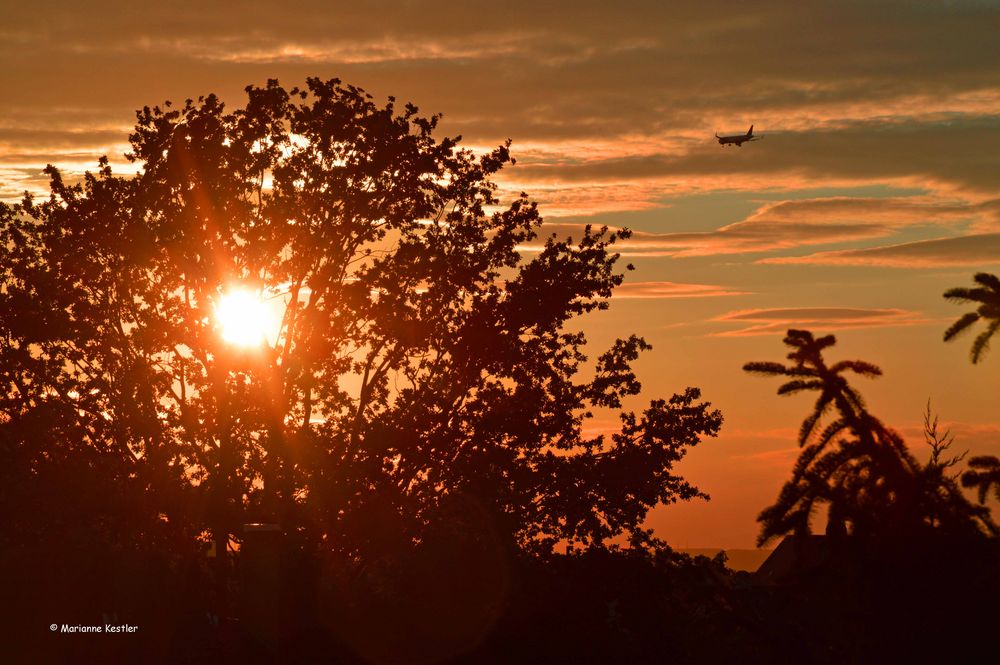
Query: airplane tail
x=750 y=133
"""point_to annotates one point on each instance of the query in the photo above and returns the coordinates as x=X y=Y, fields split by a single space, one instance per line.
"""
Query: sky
x=874 y=188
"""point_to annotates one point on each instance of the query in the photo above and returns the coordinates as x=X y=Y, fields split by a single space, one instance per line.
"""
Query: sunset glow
x=481 y=332
x=243 y=318
x=873 y=187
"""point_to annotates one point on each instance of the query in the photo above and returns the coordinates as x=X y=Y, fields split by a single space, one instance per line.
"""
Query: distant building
x=794 y=555
x=747 y=560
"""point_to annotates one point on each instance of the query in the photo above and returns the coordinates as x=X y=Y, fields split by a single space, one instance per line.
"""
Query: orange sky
x=874 y=189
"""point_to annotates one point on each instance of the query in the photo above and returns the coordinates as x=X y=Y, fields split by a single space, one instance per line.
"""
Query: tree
x=810 y=372
x=984 y=471
x=419 y=357
x=987 y=296
x=943 y=502
x=856 y=465
x=827 y=471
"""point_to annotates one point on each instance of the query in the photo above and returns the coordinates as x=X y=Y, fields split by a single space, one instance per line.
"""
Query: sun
x=244 y=319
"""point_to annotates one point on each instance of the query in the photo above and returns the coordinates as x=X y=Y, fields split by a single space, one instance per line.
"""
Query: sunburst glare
x=244 y=319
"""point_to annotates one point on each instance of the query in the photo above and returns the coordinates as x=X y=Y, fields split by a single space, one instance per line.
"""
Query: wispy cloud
x=588 y=71
x=777 y=321
x=805 y=222
x=979 y=438
x=972 y=250
x=342 y=51
x=673 y=290
x=610 y=111
x=782 y=458
x=816 y=221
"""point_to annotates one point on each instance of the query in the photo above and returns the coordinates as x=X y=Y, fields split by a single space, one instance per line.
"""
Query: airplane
x=738 y=139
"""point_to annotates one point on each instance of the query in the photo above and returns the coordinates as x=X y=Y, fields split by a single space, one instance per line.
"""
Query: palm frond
x=858 y=367
x=798 y=338
x=960 y=326
x=989 y=310
x=809 y=424
x=982 y=343
x=799 y=385
x=987 y=294
x=984 y=473
x=965 y=294
x=854 y=398
x=985 y=463
x=987 y=280
x=765 y=367
x=831 y=431
x=825 y=341
x=806 y=458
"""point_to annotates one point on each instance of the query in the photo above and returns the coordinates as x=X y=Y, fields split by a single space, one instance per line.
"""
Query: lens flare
x=243 y=318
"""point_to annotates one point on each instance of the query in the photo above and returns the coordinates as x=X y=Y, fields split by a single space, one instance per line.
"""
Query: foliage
x=945 y=504
x=855 y=465
x=984 y=471
x=939 y=443
x=984 y=475
x=419 y=355
x=987 y=296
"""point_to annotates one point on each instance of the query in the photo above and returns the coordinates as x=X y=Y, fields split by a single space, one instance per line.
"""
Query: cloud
x=972 y=250
x=956 y=154
x=815 y=221
x=35 y=139
x=352 y=51
x=588 y=70
x=610 y=110
x=777 y=321
x=980 y=438
x=953 y=155
x=584 y=200
x=797 y=223
x=672 y=290
x=781 y=459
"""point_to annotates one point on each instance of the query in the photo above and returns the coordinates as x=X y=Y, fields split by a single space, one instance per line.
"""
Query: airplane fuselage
x=737 y=139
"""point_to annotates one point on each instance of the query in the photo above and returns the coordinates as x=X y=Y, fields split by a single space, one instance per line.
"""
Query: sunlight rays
x=244 y=319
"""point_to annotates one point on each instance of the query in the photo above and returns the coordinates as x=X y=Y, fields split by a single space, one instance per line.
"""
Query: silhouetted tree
x=984 y=470
x=944 y=504
x=939 y=443
x=419 y=356
x=827 y=470
x=858 y=467
x=987 y=296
